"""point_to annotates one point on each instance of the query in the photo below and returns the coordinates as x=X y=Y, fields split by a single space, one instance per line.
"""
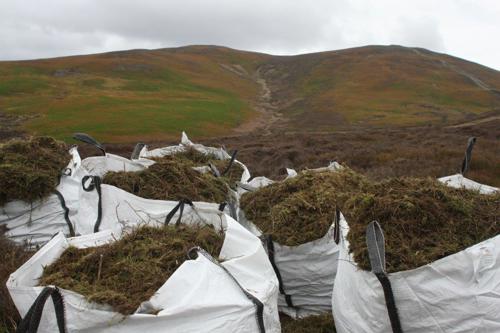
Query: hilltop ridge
x=209 y=91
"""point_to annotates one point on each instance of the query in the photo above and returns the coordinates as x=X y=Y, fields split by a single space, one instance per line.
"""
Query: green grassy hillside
x=207 y=91
x=131 y=95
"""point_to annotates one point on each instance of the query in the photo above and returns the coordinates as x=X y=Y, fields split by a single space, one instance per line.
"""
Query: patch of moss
x=318 y=324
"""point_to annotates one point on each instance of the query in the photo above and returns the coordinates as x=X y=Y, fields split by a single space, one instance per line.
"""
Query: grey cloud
x=33 y=29
x=422 y=31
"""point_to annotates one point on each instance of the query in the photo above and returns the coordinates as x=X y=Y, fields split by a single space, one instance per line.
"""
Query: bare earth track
x=267 y=113
x=476 y=122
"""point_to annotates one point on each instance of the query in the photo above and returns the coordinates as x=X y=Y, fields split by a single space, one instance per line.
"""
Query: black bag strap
x=233 y=203
x=83 y=137
x=376 y=252
x=233 y=212
x=65 y=172
x=233 y=157
x=95 y=184
x=468 y=155
x=232 y=208
x=137 y=151
x=222 y=206
x=180 y=206
x=214 y=170
x=193 y=254
x=31 y=322
x=270 y=253
x=336 y=226
x=66 y=213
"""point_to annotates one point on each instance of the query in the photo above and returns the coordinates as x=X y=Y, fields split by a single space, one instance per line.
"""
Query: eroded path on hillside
x=267 y=113
x=475 y=122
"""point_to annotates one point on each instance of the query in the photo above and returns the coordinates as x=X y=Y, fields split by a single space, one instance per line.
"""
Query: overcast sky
x=30 y=29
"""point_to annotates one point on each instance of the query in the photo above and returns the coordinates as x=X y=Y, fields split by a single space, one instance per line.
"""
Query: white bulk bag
x=459 y=181
x=35 y=223
x=306 y=272
x=186 y=144
x=100 y=165
x=182 y=147
x=82 y=206
x=253 y=185
x=120 y=209
x=238 y=294
x=458 y=293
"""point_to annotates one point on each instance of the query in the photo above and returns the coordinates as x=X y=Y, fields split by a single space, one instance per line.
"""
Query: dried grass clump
x=423 y=220
x=300 y=209
x=318 y=324
x=30 y=169
x=172 y=177
x=133 y=268
x=13 y=256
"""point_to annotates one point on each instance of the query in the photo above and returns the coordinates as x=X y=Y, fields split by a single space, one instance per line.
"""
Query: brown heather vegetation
x=429 y=151
x=317 y=324
x=13 y=256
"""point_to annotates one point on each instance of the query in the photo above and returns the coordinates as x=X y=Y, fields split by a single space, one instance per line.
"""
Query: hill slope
x=380 y=86
x=130 y=95
x=208 y=91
